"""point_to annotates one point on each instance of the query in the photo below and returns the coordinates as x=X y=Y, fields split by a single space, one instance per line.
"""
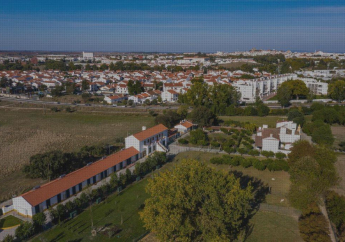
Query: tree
x=24 y=231
x=314 y=228
x=284 y=95
x=85 y=85
x=203 y=117
x=8 y=238
x=311 y=174
x=39 y=220
x=323 y=135
x=197 y=137
x=296 y=116
x=194 y=202
x=57 y=91
x=298 y=88
x=262 y=109
x=267 y=154
x=336 y=90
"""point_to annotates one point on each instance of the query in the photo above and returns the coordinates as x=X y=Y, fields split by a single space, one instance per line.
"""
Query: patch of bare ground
x=340 y=167
x=339 y=134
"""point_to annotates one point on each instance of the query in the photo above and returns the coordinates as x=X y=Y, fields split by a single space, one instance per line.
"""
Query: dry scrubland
x=26 y=132
x=339 y=134
x=340 y=167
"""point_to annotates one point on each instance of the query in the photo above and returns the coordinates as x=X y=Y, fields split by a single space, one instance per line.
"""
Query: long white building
x=263 y=86
x=42 y=197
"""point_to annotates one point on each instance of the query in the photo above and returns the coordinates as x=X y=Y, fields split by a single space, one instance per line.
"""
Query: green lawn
x=269 y=120
x=9 y=221
x=272 y=227
x=126 y=205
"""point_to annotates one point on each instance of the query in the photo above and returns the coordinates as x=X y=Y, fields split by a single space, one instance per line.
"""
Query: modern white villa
x=279 y=139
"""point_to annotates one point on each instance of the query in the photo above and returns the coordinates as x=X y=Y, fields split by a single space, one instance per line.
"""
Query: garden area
x=9 y=221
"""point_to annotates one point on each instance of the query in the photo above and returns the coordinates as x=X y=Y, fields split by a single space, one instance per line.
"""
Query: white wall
x=22 y=206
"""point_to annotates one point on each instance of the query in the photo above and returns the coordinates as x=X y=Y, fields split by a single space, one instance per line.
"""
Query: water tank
x=143 y=128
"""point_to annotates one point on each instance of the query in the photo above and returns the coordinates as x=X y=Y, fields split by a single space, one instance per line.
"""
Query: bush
x=215 y=144
x=226 y=159
x=280 y=155
x=217 y=160
x=183 y=141
x=267 y=154
x=236 y=160
x=254 y=152
x=196 y=136
x=246 y=163
x=258 y=164
x=278 y=165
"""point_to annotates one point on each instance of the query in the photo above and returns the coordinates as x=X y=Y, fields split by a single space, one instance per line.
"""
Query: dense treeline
x=55 y=163
x=6 y=66
x=336 y=211
x=270 y=164
x=313 y=225
x=312 y=173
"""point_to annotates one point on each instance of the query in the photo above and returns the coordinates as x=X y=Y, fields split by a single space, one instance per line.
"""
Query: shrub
x=267 y=154
x=280 y=155
x=246 y=163
x=216 y=160
x=197 y=137
x=254 y=152
x=183 y=141
x=215 y=144
x=242 y=151
x=278 y=165
x=258 y=164
x=236 y=160
x=226 y=159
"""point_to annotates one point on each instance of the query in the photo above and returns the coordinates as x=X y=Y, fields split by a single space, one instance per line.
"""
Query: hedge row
x=270 y=164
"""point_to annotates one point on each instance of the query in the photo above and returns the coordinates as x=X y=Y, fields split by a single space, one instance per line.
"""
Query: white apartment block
x=263 y=86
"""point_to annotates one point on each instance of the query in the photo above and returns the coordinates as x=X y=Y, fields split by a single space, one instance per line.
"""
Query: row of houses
x=137 y=146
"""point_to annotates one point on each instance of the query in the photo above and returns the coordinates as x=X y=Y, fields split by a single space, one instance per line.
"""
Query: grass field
x=130 y=200
x=269 y=120
x=9 y=221
x=27 y=132
x=126 y=205
x=271 y=227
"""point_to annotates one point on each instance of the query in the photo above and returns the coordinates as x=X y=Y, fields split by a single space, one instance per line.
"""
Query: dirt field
x=27 y=132
x=340 y=167
x=339 y=134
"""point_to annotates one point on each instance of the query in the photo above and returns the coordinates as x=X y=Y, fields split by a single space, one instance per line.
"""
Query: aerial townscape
x=172 y=121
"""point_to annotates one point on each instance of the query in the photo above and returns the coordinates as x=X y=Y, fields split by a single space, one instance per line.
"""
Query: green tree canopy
x=336 y=90
x=194 y=202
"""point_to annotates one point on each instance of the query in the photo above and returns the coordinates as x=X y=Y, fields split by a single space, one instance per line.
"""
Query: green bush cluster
x=270 y=164
x=336 y=210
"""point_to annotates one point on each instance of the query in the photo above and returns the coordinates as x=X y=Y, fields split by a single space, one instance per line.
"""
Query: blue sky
x=172 y=26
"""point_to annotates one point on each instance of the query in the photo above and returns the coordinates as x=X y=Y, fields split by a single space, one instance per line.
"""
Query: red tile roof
x=53 y=188
x=150 y=132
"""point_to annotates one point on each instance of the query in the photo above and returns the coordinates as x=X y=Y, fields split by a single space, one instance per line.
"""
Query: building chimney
x=143 y=128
